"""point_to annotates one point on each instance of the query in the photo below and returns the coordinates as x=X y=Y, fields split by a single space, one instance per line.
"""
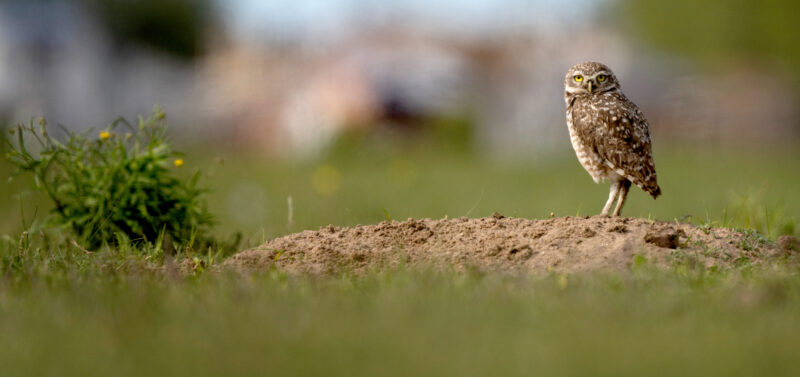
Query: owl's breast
x=578 y=123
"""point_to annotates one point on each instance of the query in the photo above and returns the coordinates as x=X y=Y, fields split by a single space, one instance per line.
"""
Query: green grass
x=755 y=189
x=718 y=186
x=125 y=311
x=403 y=323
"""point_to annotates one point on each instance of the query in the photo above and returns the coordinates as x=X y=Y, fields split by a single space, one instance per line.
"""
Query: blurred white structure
x=56 y=60
x=290 y=85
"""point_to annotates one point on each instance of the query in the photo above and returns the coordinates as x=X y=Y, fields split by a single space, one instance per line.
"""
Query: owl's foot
x=618 y=192
x=612 y=194
x=623 y=194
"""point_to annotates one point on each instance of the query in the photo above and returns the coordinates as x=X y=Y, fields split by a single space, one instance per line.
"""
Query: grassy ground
x=757 y=189
x=754 y=188
x=126 y=312
x=749 y=190
x=402 y=323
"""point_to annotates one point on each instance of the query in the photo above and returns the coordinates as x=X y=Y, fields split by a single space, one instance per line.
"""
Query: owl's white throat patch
x=575 y=90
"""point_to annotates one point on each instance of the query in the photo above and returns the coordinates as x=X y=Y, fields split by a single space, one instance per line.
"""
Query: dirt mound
x=567 y=244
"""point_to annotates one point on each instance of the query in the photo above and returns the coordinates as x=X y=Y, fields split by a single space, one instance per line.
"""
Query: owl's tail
x=646 y=180
x=651 y=188
x=655 y=193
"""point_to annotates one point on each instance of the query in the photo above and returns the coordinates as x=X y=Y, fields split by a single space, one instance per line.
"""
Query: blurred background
x=311 y=112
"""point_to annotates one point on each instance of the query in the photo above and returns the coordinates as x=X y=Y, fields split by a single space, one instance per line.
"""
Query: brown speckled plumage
x=609 y=133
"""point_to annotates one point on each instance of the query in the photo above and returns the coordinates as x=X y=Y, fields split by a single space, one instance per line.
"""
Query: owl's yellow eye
x=578 y=78
x=601 y=78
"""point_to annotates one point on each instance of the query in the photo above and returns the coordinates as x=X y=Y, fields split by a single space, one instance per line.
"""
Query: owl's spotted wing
x=621 y=137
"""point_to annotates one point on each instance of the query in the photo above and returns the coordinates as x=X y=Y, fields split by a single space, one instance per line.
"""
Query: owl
x=609 y=133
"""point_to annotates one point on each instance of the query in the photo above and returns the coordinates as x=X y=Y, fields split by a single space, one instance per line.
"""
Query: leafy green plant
x=115 y=185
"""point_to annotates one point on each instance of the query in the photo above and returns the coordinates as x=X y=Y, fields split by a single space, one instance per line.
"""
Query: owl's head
x=590 y=78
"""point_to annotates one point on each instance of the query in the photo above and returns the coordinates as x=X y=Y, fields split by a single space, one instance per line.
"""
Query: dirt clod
x=789 y=243
x=668 y=238
x=618 y=228
x=588 y=233
x=565 y=244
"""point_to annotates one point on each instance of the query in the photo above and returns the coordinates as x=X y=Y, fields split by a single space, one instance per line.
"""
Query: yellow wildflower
x=178 y=162
x=104 y=135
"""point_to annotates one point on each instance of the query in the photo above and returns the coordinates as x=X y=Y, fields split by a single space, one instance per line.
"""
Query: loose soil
x=567 y=244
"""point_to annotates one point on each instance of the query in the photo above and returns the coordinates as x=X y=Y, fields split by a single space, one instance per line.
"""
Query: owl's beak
x=589 y=86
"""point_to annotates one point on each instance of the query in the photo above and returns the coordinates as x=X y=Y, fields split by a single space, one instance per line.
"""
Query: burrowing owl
x=609 y=133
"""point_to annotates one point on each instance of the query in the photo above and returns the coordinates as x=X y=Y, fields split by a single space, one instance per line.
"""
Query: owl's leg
x=624 y=185
x=612 y=194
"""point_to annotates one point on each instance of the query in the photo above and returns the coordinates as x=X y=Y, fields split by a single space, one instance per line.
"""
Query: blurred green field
x=754 y=187
x=404 y=323
x=433 y=77
x=127 y=312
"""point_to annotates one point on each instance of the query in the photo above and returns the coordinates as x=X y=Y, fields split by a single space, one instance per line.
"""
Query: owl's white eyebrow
x=599 y=73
